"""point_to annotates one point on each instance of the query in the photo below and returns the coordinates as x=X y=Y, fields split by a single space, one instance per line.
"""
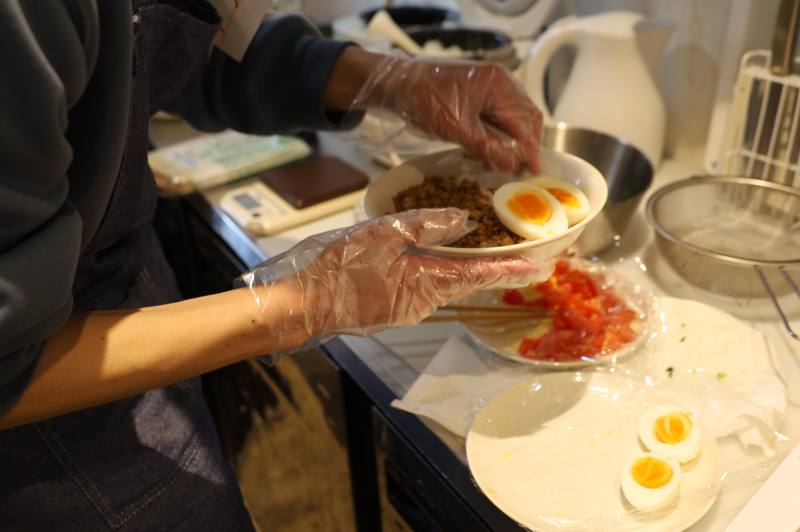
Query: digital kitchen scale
x=285 y=197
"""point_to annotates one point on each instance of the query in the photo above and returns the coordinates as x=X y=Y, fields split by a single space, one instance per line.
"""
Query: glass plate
x=503 y=339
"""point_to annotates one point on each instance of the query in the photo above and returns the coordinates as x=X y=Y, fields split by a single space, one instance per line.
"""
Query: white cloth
x=719 y=366
x=456 y=383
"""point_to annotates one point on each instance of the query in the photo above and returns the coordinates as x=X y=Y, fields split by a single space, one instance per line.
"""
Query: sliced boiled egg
x=670 y=431
x=574 y=201
x=650 y=482
x=529 y=211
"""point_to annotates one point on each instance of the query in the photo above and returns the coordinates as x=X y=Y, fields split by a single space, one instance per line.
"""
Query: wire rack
x=763 y=133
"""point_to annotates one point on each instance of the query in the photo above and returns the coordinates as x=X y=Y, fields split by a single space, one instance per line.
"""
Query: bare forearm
x=351 y=71
x=103 y=356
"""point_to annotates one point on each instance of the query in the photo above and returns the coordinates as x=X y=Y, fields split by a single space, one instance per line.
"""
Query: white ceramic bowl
x=381 y=191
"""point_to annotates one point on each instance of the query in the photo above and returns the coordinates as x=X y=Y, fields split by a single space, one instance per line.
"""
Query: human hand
x=477 y=105
x=374 y=275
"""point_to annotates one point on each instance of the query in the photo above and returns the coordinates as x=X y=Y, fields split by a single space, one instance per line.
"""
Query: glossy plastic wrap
x=372 y=276
x=719 y=366
x=555 y=452
x=479 y=106
x=551 y=448
x=505 y=339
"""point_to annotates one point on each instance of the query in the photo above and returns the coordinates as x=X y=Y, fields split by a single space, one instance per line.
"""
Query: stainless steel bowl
x=626 y=170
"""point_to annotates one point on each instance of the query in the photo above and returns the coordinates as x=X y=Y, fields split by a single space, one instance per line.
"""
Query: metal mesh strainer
x=733 y=236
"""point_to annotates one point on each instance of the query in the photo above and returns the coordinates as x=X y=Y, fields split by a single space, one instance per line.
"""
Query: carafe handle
x=560 y=34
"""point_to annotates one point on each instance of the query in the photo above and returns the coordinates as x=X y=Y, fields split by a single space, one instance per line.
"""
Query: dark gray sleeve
x=45 y=68
x=277 y=88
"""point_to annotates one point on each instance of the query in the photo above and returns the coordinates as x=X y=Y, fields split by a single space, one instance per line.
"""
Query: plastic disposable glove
x=374 y=275
x=477 y=105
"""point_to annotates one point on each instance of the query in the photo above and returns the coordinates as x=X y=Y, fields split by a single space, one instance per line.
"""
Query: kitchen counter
x=381 y=368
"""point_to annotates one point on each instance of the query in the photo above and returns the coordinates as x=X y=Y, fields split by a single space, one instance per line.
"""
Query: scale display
x=259 y=210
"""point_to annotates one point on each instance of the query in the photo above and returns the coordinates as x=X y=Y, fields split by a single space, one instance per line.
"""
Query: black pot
x=408 y=16
x=480 y=45
x=471 y=40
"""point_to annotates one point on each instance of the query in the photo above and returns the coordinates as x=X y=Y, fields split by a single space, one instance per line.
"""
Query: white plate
x=578 y=172
x=548 y=450
x=504 y=339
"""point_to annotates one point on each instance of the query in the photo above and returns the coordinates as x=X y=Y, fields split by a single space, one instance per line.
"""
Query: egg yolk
x=673 y=428
x=531 y=207
x=651 y=472
x=564 y=197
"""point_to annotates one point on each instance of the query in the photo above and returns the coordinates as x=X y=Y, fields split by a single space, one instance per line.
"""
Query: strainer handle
x=774 y=299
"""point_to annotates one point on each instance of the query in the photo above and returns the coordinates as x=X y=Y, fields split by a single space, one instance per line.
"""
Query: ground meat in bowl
x=449 y=191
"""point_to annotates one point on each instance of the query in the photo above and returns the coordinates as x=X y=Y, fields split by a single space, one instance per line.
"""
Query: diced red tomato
x=588 y=320
x=512 y=296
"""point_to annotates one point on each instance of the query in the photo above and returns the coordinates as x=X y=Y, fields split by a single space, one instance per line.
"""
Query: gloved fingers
x=459 y=117
x=427 y=283
x=512 y=270
x=478 y=105
x=489 y=144
x=426 y=227
x=375 y=244
x=509 y=108
x=478 y=273
x=524 y=125
x=441 y=279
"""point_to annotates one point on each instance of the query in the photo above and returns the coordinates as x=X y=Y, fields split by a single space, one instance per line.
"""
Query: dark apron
x=150 y=462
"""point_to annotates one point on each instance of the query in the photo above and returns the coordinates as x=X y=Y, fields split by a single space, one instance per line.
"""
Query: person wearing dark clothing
x=102 y=423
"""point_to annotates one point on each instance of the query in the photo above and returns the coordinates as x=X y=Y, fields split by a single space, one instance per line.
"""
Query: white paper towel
x=455 y=385
x=717 y=364
x=720 y=366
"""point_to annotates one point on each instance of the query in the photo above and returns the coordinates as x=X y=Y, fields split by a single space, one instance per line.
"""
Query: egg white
x=649 y=499
x=683 y=451
x=556 y=224
x=575 y=213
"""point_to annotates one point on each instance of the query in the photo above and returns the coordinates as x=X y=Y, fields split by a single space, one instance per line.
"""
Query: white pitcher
x=612 y=87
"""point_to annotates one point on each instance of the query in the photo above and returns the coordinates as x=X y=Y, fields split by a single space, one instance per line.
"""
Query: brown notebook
x=314 y=180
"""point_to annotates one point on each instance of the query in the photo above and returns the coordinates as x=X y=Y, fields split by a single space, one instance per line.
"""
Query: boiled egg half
x=529 y=211
x=671 y=432
x=574 y=201
x=650 y=482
